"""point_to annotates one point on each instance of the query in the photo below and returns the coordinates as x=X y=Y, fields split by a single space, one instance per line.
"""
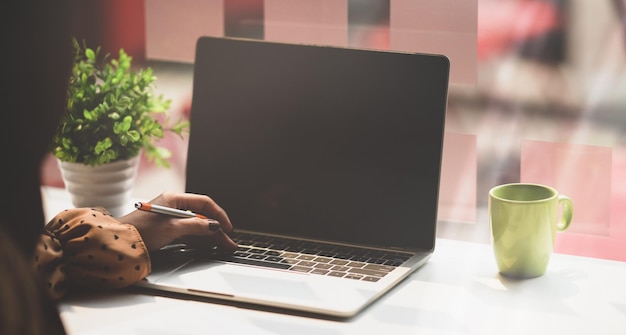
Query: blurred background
x=538 y=90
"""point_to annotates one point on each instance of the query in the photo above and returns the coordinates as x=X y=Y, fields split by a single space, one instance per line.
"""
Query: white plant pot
x=109 y=185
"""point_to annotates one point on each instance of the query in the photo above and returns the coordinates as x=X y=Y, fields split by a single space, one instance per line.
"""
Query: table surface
x=459 y=291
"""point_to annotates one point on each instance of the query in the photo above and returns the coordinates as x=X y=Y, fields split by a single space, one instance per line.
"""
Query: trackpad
x=249 y=285
x=239 y=280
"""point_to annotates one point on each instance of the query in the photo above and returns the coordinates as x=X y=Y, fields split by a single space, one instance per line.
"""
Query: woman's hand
x=158 y=230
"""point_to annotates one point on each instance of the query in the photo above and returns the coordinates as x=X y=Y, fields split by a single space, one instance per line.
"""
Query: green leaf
x=90 y=54
x=134 y=135
x=88 y=115
x=103 y=145
x=124 y=125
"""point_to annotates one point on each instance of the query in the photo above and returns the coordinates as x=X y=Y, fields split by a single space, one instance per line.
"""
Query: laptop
x=327 y=161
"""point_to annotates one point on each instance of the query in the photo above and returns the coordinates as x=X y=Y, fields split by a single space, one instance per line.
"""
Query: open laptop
x=327 y=161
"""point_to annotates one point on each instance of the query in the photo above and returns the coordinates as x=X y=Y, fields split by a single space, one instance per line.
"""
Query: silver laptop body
x=327 y=161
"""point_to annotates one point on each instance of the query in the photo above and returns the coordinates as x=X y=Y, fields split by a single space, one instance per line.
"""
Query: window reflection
x=549 y=107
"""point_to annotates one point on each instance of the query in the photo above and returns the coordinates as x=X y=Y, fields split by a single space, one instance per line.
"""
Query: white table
x=459 y=291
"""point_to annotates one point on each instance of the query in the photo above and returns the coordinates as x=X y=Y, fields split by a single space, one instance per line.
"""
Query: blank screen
x=319 y=142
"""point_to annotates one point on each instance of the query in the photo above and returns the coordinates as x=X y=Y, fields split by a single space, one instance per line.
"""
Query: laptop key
x=290 y=261
x=257 y=256
x=274 y=259
x=300 y=268
x=376 y=261
x=323 y=266
x=370 y=273
x=327 y=254
x=249 y=261
x=322 y=259
x=306 y=257
x=279 y=246
x=289 y=255
x=306 y=263
x=381 y=268
x=319 y=271
x=336 y=274
x=371 y=279
x=361 y=259
x=356 y=264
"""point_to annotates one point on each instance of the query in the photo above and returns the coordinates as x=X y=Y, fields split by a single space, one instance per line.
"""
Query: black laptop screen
x=319 y=142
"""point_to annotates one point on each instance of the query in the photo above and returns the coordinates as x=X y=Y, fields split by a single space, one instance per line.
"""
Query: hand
x=158 y=230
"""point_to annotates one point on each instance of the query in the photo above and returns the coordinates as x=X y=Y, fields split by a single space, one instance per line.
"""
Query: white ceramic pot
x=109 y=185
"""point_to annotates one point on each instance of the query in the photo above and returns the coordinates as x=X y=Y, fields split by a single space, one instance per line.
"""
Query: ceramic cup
x=524 y=220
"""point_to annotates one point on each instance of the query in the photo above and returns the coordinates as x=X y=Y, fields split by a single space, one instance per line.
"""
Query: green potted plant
x=112 y=116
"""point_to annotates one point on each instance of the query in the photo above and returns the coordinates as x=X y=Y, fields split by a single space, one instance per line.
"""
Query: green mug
x=524 y=220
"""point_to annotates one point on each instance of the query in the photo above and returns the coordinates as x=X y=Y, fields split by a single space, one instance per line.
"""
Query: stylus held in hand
x=148 y=207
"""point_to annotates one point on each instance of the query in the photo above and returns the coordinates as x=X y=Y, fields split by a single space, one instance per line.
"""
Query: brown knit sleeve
x=89 y=248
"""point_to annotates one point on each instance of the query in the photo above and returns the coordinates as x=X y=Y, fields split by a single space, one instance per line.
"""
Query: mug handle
x=567 y=212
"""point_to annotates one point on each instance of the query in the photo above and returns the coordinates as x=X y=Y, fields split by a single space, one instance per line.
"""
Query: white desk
x=458 y=291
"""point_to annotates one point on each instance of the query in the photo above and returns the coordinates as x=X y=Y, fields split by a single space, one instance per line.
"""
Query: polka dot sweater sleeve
x=88 y=248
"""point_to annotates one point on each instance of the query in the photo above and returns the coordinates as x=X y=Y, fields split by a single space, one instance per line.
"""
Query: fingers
x=207 y=228
x=224 y=242
x=200 y=204
x=214 y=225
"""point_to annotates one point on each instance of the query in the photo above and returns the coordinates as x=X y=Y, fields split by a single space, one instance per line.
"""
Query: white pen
x=148 y=207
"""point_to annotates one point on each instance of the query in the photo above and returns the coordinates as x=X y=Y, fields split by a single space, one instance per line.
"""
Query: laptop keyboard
x=315 y=258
